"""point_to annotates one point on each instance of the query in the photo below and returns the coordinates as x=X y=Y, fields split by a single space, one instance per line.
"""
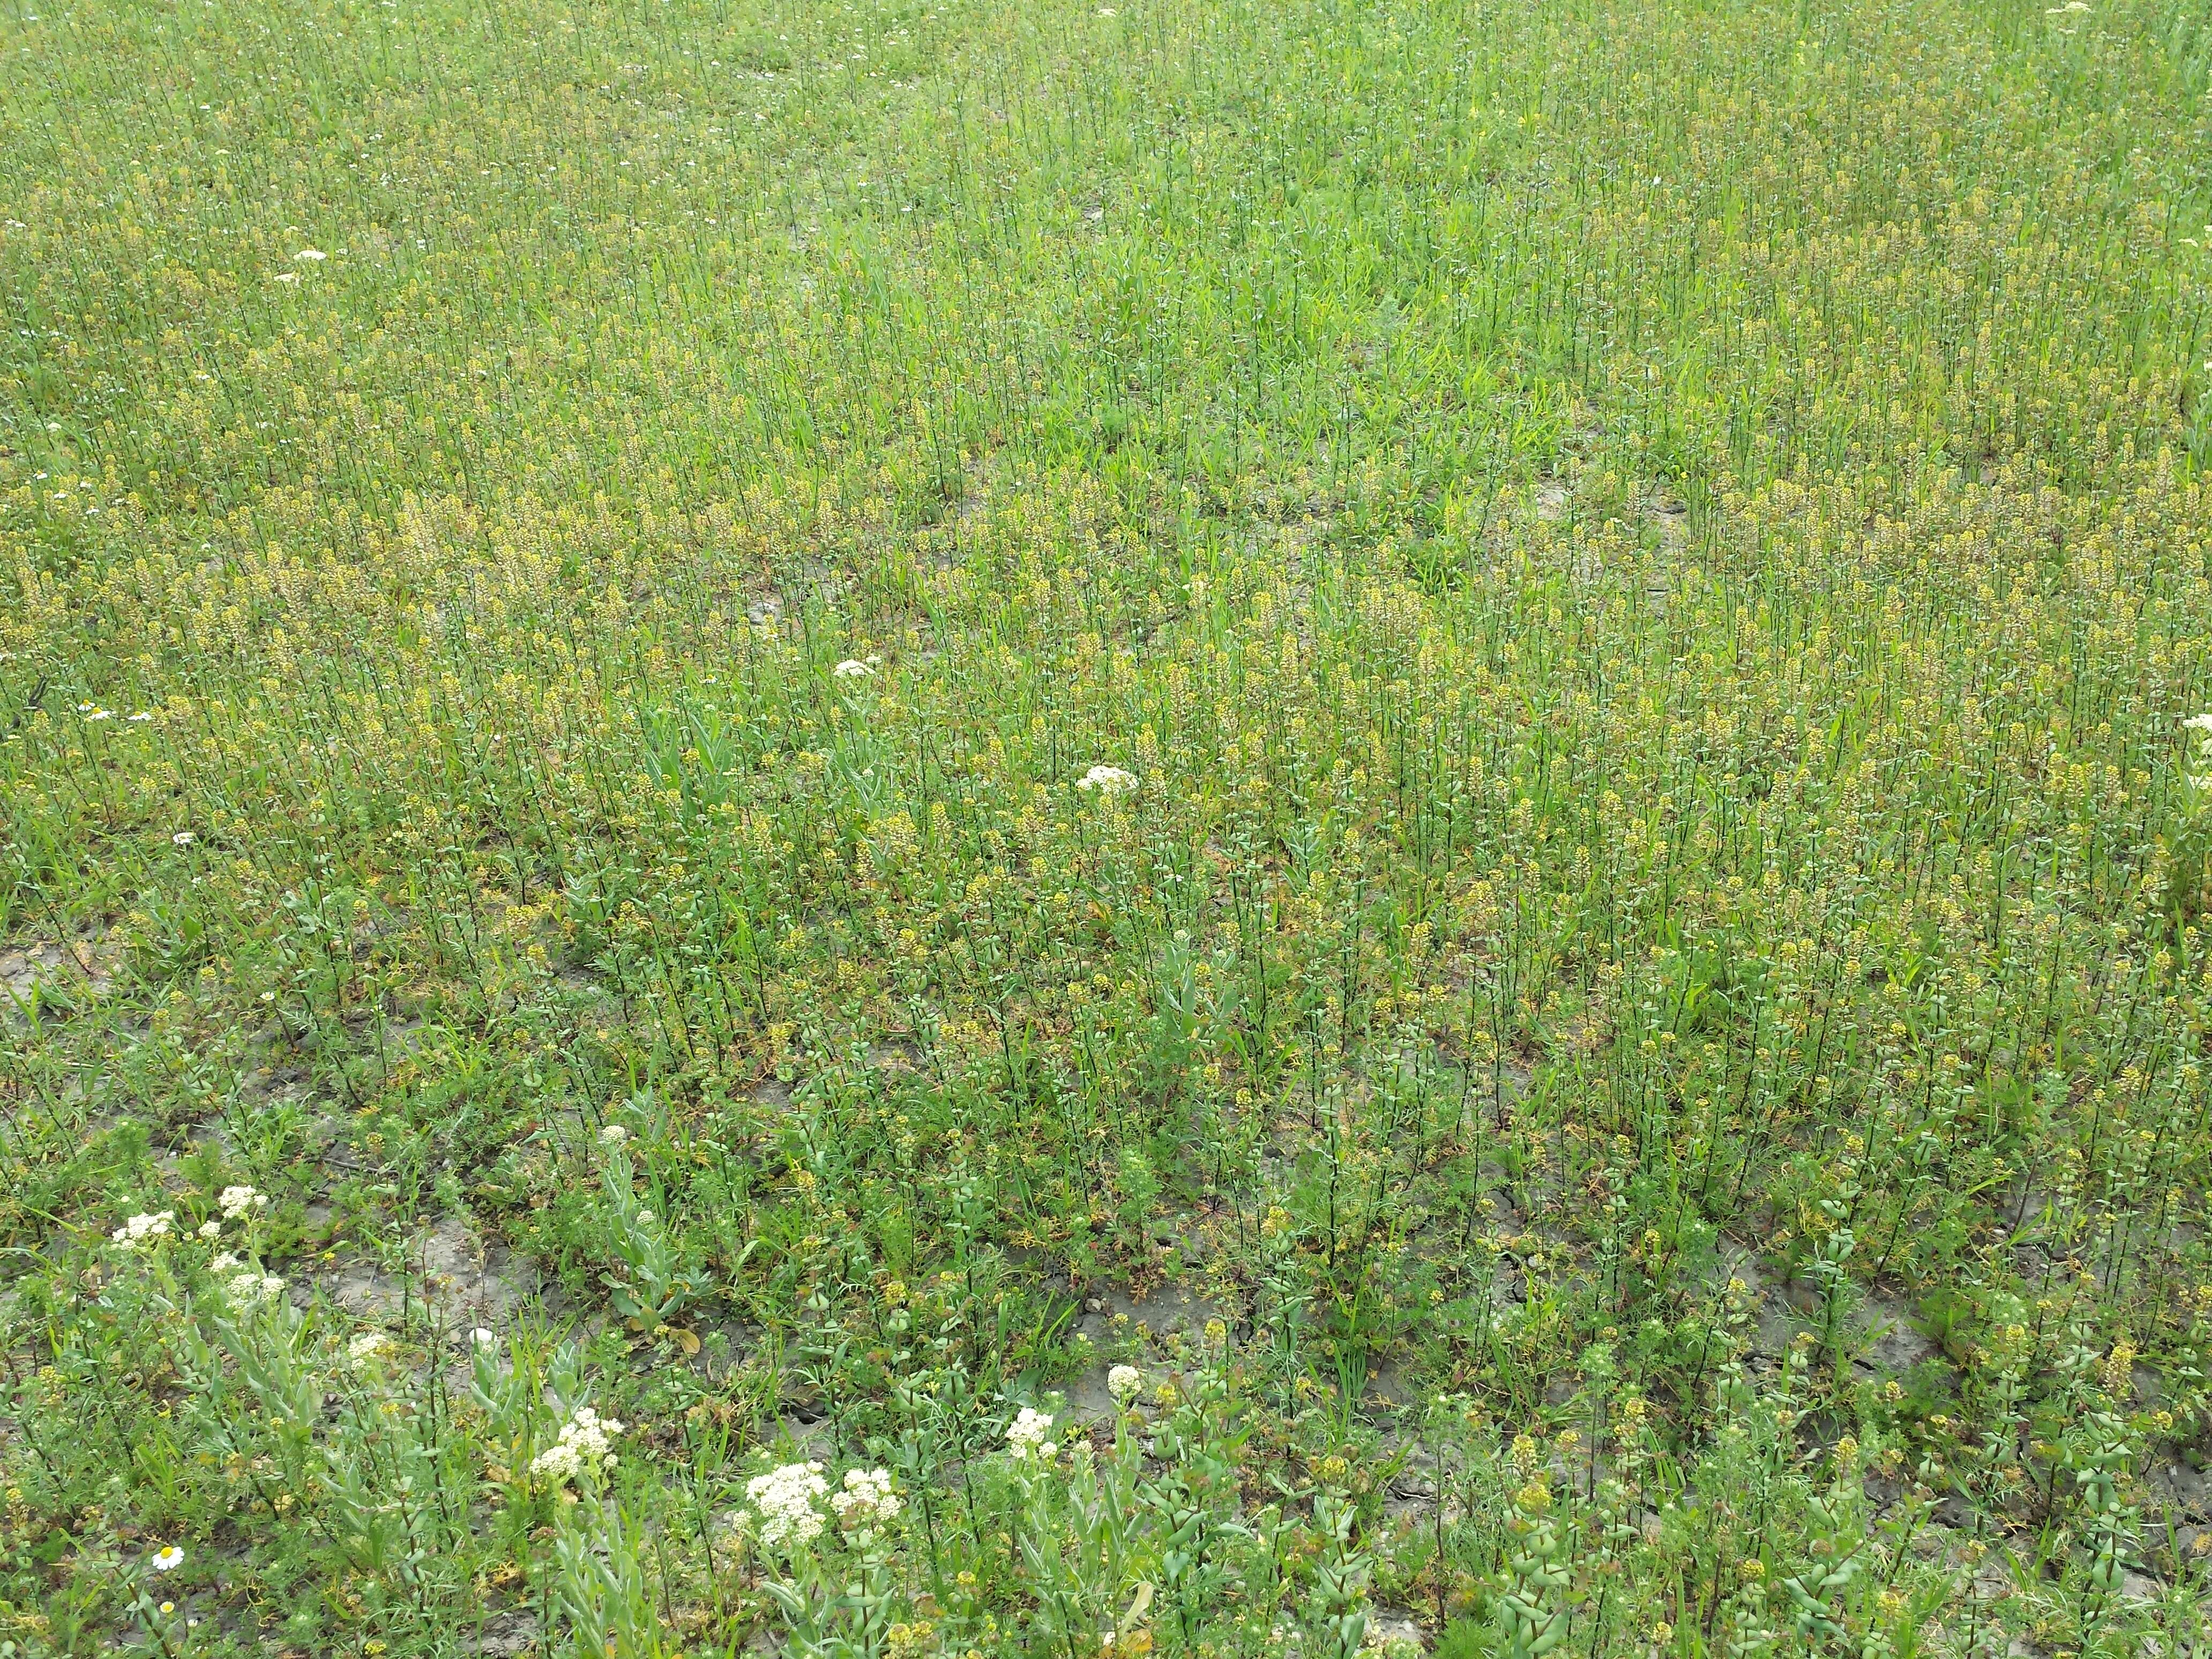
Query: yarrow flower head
x=1125 y=1383
x=141 y=1227
x=210 y=1229
x=311 y=255
x=853 y=669
x=368 y=1345
x=238 y=1201
x=867 y=1496
x=1026 y=1437
x=613 y=1135
x=586 y=1447
x=783 y=1503
x=1108 y=780
x=251 y=1287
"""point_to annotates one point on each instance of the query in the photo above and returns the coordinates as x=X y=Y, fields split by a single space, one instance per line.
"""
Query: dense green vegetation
x=1426 y=761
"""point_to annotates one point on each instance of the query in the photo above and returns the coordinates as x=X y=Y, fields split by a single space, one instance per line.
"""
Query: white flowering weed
x=866 y=1496
x=1027 y=1436
x=237 y=1202
x=141 y=1228
x=783 y=1503
x=252 y=1288
x=1108 y=780
x=585 y=1448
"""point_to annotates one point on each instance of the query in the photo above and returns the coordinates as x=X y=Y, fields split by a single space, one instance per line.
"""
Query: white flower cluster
x=783 y=1503
x=237 y=1202
x=1026 y=1437
x=245 y=1283
x=1107 y=781
x=613 y=1135
x=140 y=1228
x=246 y=1288
x=585 y=1446
x=368 y=1345
x=867 y=1496
x=1125 y=1383
x=853 y=669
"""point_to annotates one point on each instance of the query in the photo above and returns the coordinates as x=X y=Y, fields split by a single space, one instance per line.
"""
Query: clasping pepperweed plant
x=652 y=1287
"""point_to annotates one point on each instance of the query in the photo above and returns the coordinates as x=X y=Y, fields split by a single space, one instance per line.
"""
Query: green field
x=1429 y=761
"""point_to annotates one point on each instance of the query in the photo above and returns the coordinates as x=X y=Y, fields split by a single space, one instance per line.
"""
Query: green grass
x=1628 y=1081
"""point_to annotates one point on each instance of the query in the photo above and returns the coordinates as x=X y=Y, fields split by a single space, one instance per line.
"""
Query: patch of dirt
x=2189 y=1489
x=771 y=1092
x=1088 y=1401
x=1169 y=1326
x=83 y=967
x=454 y=1277
x=808 y=1439
x=1894 y=1346
x=1778 y=1320
x=509 y=1633
x=396 y=1039
x=897 y=1052
x=1386 y=1388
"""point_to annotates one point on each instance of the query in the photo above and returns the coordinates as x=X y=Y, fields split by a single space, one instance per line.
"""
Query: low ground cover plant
x=935 y=829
